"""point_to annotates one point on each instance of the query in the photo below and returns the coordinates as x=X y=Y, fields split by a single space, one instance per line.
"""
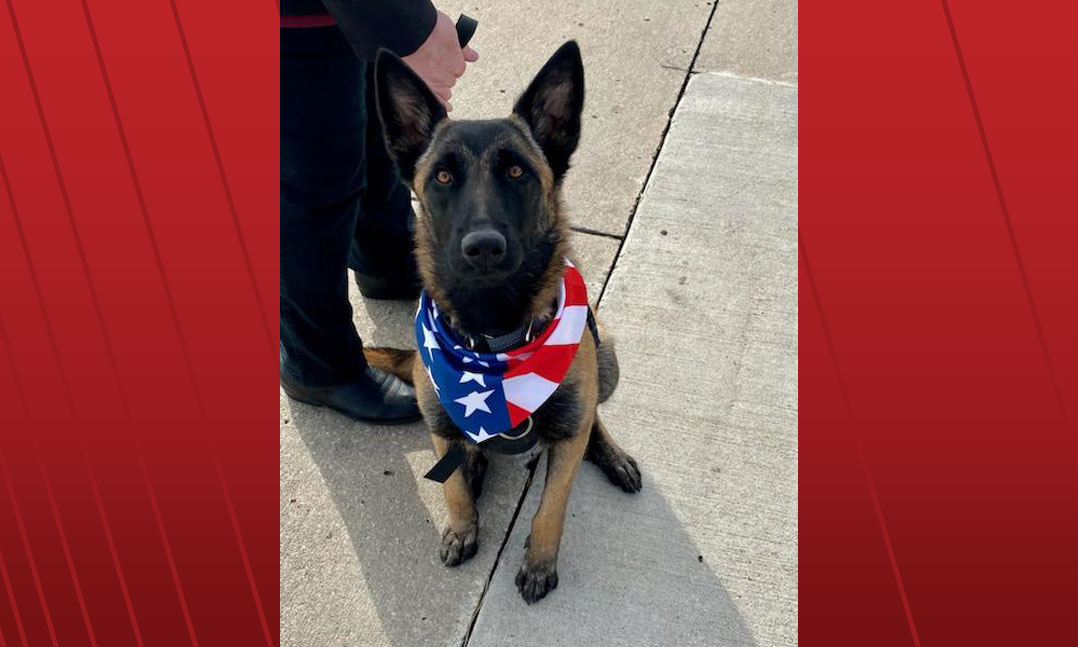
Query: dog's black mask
x=490 y=225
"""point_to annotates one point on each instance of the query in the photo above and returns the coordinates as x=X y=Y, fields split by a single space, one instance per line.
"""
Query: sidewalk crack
x=613 y=264
x=593 y=232
x=658 y=149
x=498 y=557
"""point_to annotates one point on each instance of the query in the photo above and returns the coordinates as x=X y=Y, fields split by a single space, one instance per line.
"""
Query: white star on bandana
x=468 y=376
x=473 y=401
x=490 y=393
x=429 y=342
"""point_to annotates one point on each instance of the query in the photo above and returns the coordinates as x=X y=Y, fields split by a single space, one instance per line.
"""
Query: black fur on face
x=491 y=237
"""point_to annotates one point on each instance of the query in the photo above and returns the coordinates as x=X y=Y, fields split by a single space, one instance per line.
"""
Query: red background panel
x=138 y=255
x=939 y=273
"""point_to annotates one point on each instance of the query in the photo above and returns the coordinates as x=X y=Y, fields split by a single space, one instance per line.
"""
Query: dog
x=491 y=242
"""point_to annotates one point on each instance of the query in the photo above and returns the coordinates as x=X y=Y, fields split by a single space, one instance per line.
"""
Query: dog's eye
x=514 y=172
x=443 y=176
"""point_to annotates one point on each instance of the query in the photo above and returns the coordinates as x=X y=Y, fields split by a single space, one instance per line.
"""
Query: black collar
x=514 y=339
x=517 y=338
x=483 y=343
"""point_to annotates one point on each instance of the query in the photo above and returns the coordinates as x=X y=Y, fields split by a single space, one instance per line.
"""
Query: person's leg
x=381 y=253
x=323 y=133
x=323 y=121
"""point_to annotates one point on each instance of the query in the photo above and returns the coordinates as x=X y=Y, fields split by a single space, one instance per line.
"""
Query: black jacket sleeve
x=400 y=26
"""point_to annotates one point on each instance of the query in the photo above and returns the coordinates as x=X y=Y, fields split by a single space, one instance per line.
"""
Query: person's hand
x=440 y=61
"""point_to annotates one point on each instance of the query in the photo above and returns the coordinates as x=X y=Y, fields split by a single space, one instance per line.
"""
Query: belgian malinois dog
x=491 y=240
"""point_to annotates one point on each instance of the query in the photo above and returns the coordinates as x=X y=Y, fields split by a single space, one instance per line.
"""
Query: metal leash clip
x=527 y=430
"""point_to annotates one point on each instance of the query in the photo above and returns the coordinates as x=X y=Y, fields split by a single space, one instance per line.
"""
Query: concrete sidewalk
x=702 y=301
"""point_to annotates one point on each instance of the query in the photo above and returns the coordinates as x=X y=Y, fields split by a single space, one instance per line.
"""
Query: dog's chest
x=560 y=416
x=557 y=419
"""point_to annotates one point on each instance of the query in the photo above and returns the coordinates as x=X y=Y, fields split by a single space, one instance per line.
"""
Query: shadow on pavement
x=394 y=520
x=629 y=575
x=629 y=572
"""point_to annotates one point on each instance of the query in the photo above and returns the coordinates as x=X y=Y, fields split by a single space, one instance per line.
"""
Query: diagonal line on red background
x=3 y=565
x=871 y=483
x=144 y=210
x=56 y=355
x=243 y=549
x=224 y=182
x=67 y=550
x=11 y=598
x=48 y=329
x=64 y=382
x=1041 y=337
x=21 y=395
x=29 y=553
x=137 y=185
x=184 y=347
x=258 y=302
x=112 y=549
x=168 y=294
x=49 y=333
x=62 y=185
x=168 y=549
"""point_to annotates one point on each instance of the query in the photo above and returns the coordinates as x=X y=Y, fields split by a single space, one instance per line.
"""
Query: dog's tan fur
x=570 y=429
x=591 y=373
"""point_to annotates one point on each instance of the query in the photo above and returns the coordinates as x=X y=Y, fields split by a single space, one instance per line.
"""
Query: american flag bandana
x=486 y=394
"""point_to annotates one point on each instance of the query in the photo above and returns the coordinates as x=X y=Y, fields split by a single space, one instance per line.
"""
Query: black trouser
x=342 y=204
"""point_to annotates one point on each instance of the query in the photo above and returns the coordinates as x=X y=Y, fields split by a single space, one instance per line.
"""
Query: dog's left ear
x=408 y=109
x=552 y=104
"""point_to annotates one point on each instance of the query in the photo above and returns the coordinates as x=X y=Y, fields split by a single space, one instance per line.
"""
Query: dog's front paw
x=625 y=473
x=618 y=466
x=458 y=547
x=534 y=581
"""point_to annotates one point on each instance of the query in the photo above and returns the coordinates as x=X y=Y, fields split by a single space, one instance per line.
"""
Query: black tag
x=449 y=463
x=465 y=29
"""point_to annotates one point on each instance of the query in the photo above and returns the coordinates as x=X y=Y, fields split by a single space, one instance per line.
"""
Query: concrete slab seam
x=610 y=270
x=658 y=149
x=498 y=557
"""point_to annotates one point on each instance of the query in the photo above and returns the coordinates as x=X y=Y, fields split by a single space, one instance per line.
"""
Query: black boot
x=377 y=397
x=404 y=288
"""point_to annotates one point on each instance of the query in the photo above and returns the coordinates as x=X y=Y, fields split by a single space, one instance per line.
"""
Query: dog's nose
x=483 y=249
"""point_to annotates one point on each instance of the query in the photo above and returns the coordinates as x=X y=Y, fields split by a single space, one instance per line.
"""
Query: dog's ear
x=552 y=104
x=408 y=109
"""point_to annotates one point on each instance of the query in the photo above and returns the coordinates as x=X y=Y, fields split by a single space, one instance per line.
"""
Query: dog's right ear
x=408 y=109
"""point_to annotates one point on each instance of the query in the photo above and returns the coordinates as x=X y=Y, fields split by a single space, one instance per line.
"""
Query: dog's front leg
x=539 y=573
x=459 y=540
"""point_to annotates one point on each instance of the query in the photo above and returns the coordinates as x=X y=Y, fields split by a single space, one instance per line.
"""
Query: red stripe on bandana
x=516 y=414
x=576 y=294
x=552 y=363
x=486 y=394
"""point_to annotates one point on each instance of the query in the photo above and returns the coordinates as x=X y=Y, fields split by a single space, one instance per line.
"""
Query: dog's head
x=489 y=189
